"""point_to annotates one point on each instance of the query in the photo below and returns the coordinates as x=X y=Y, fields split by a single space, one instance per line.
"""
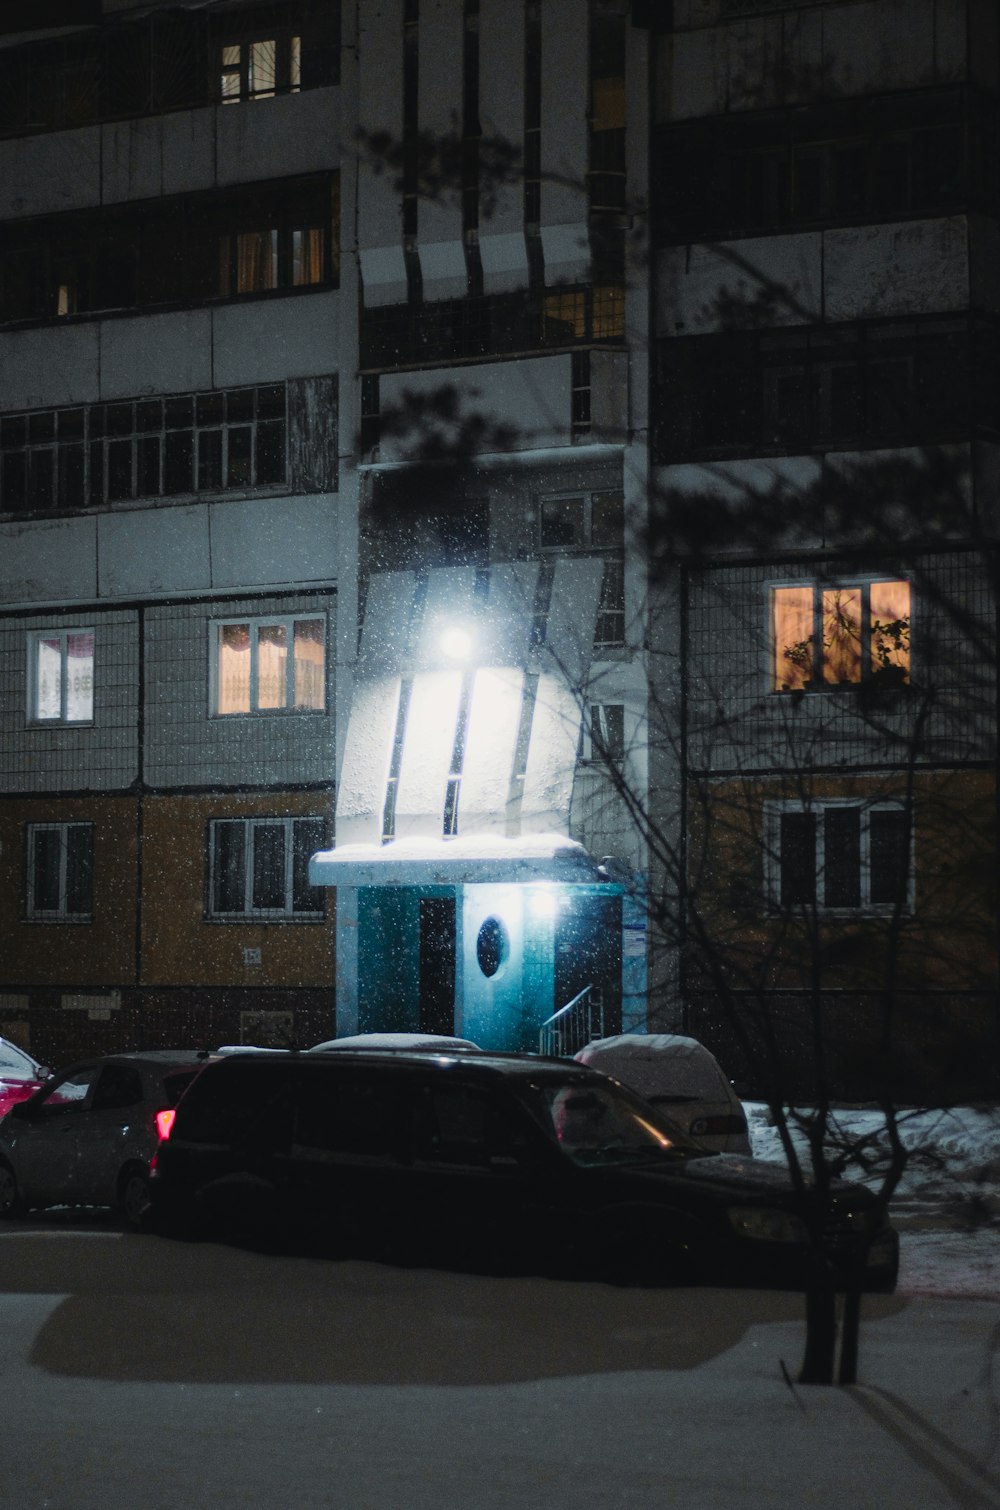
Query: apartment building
x=496 y=512
x=826 y=432
x=243 y=247
x=168 y=487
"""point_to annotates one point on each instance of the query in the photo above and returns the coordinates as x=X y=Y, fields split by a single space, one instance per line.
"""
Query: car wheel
x=639 y=1259
x=12 y=1202
x=133 y=1194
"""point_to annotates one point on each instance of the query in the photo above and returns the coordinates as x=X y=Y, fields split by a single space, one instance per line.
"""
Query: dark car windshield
x=595 y=1124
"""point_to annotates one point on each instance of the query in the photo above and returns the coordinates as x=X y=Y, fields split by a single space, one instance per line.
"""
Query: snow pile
x=947 y=1204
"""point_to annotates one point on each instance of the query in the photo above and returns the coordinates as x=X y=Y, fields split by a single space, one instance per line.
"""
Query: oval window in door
x=492 y=946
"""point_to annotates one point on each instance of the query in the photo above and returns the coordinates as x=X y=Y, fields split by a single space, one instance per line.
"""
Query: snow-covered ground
x=947 y=1205
x=139 y=1374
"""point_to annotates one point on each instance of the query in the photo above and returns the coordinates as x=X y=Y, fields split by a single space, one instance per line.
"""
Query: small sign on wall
x=97 y=1007
x=251 y=957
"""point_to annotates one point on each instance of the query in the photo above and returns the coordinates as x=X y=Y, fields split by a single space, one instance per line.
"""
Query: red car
x=20 y=1075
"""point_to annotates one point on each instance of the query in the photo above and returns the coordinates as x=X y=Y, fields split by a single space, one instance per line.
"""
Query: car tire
x=637 y=1258
x=133 y=1194
x=12 y=1202
x=239 y=1208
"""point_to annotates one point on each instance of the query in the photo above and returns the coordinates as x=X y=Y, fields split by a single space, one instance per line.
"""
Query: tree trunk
x=821 y=1331
x=850 y=1333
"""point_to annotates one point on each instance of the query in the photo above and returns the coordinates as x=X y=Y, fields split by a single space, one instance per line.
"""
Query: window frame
x=594 y=733
x=254 y=624
x=34 y=718
x=61 y=913
x=586 y=543
x=287 y=43
x=776 y=809
x=867 y=678
x=141 y=440
x=249 y=913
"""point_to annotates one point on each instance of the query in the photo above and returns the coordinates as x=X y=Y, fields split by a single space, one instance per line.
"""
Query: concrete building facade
x=328 y=325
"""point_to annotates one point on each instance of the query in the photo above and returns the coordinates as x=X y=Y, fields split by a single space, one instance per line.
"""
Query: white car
x=681 y=1077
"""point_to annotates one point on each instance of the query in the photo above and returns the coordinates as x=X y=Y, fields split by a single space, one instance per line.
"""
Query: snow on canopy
x=425 y=859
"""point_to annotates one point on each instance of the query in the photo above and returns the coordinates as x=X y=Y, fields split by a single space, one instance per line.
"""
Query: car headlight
x=767 y=1224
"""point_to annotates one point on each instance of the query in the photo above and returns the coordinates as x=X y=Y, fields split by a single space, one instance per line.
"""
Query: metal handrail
x=572 y=1032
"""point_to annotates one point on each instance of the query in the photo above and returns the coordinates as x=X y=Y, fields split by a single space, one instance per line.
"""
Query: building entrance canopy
x=469 y=860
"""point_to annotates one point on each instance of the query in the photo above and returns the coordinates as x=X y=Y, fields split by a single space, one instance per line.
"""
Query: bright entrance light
x=544 y=901
x=456 y=643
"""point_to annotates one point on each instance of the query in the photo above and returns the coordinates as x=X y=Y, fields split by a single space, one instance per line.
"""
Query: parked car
x=87 y=1136
x=513 y=1161
x=429 y=1043
x=20 y=1075
x=681 y=1077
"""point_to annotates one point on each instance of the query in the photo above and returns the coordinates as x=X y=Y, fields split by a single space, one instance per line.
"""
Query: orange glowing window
x=270 y=665
x=839 y=636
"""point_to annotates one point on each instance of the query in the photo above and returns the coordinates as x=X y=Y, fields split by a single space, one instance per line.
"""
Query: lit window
x=835 y=636
x=270 y=665
x=260 y=68
x=254 y=261
x=307 y=256
x=60 y=872
x=836 y=856
x=61 y=676
x=259 y=867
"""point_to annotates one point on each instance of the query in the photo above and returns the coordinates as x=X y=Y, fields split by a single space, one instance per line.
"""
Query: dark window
x=258 y=867
x=118 y=1085
x=354 y=1116
x=920 y=154
x=840 y=856
x=68 y=459
x=60 y=872
x=462 y=1127
x=817 y=388
x=797 y=859
x=602 y=738
x=889 y=855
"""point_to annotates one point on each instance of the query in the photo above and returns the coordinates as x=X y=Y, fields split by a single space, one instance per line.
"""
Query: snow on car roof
x=431 y=1041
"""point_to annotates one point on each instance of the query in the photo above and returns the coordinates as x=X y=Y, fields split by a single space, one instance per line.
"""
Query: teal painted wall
x=388 y=959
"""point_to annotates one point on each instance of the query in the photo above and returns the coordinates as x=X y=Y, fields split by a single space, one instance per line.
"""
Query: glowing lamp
x=456 y=643
x=544 y=901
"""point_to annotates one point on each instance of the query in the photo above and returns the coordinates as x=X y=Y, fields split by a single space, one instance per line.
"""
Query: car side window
x=119 y=1085
x=456 y=1125
x=67 y=1093
x=354 y=1116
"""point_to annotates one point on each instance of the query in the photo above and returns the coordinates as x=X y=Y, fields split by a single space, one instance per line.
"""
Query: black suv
x=470 y=1160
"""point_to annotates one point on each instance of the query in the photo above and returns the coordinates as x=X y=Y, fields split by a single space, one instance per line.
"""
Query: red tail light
x=164 y=1122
